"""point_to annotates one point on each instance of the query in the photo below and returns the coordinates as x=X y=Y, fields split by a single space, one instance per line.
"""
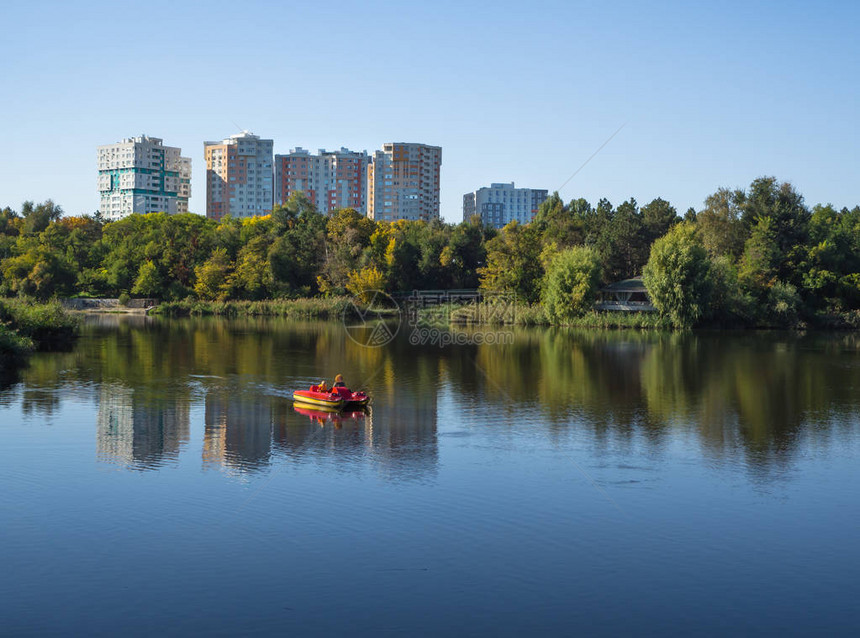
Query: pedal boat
x=329 y=399
x=332 y=399
x=352 y=399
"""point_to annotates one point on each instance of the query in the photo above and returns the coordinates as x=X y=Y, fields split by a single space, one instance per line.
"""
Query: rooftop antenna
x=241 y=130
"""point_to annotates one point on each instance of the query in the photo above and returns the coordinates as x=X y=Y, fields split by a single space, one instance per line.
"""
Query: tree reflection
x=755 y=396
x=754 y=390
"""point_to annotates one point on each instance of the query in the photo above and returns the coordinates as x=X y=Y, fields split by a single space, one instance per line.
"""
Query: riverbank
x=301 y=308
x=26 y=327
x=497 y=313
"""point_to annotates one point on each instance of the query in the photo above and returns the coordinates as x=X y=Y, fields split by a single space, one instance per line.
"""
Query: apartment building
x=500 y=204
x=142 y=175
x=330 y=179
x=239 y=176
x=403 y=182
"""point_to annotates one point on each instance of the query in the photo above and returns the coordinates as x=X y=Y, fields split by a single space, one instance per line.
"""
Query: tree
x=657 y=218
x=720 y=225
x=361 y=282
x=149 y=282
x=37 y=217
x=570 y=284
x=677 y=276
x=759 y=264
x=465 y=253
x=784 y=207
x=213 y=276
x=622 y=243
x=38 y=272
x=554 y=220
x=252 y=277
x=513 y=263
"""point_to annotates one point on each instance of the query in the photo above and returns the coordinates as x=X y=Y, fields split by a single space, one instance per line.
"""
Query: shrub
x=678 y=277
x=47 y=325
x=570 y=284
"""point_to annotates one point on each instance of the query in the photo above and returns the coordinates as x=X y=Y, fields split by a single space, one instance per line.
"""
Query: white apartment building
x=239 y=176
x=403 y=182
x=141 y=175
x=501 y=204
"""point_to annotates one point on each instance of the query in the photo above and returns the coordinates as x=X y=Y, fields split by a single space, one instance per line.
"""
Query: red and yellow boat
x=332 y=399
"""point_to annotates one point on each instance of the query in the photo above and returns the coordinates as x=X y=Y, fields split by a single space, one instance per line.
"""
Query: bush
x=570 y=284
x=12 y=345
x=47 y=325
x=783 y=305
x=311 y=308
x=678 y=277
x=124 y=298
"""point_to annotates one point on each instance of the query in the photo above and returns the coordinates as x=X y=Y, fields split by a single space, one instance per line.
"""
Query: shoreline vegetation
x=302 y=308
x=26 y=326
x=749 y=258
x=453 y=315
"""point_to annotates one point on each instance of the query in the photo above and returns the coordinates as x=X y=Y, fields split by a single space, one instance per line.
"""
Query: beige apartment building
x=403 y=182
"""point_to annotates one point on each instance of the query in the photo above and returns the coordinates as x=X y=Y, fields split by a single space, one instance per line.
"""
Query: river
x=156 y=478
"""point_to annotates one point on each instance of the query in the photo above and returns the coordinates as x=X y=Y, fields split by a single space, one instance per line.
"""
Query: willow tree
x=678 y=276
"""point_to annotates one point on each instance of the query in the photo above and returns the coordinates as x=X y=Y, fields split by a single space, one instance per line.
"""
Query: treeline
x=749 y=257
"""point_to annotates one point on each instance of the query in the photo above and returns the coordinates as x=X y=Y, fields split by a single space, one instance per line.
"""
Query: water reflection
x=759 y=397
x=756 y=391
x=238 y=428
x=139 y=430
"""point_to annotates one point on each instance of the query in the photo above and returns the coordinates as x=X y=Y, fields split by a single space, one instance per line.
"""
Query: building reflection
x=401 y=434
x=139 y=430
x=237 y=429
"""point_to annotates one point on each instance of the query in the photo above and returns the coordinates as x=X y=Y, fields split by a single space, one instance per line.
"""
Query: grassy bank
x=26 y=326
x=305 y=308
x=534 y=315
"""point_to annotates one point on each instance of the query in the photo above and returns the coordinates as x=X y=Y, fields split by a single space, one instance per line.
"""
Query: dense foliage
x=678 y=276
x=571 y=283
x=26 y=326
x=763 y=257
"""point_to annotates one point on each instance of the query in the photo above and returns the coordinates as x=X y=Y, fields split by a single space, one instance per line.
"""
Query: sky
x=706 y=95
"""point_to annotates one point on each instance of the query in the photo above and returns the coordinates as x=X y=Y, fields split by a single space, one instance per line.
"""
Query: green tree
x=571 y=283
x=678 y=278
x=252 y=277
x=721 y=228
x=149 y=282
x=783 y=206
x=658 y=217
x=513 y=263
x=38 y=272
x=559 y=224
x=622 y=243
x=759 y=265
x=213 y=276
x=465 y=253
x=38 y=216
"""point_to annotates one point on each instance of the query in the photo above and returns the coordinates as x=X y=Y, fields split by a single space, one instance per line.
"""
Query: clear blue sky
x=711 y=95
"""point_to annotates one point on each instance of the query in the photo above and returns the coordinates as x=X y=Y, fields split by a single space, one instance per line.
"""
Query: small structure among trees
x=629 y=295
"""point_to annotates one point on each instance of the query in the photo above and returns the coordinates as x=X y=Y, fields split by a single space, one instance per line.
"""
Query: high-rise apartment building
x=330 y=179
x=501 y=204
x=238 y=176
x=141 y=175
x=403 y=182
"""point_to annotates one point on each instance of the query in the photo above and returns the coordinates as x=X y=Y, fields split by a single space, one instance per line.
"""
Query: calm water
x=157 y=479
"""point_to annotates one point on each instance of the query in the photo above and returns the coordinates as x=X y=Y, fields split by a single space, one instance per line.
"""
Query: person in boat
x=338 y=382
x=322 y=387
